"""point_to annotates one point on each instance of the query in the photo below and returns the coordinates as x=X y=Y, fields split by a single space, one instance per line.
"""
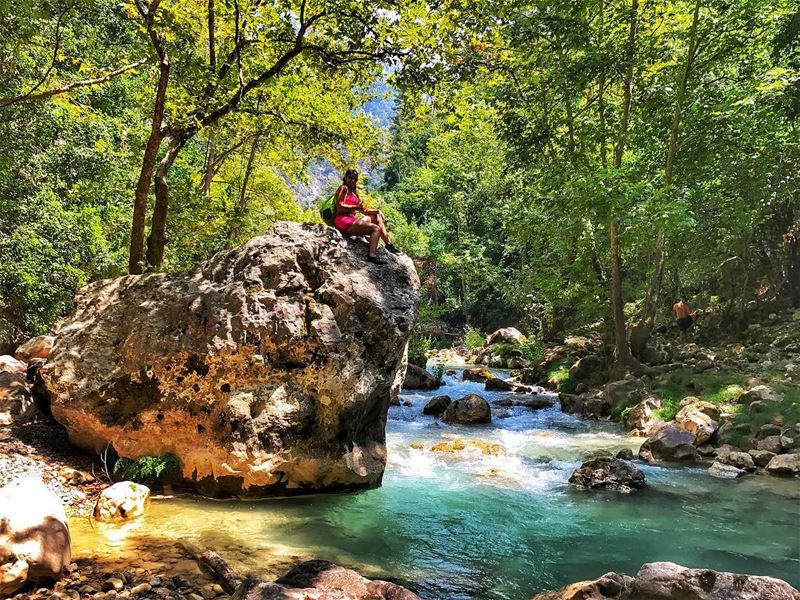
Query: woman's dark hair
x=351 y=173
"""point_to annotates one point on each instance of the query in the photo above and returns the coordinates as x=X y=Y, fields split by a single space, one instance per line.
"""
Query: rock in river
x=436 y=406
x=668 y=581
x=669 y=444
x=418 y=378
x=265 y=370
x=609 y=474
x=469 y=410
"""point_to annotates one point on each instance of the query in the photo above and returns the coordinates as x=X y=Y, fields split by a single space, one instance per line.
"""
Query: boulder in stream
x=669 y=444
x=268 y=369
x=608 y=474
x=436 y=406
x=669 y=581
x=418 y=378
x=469 y=410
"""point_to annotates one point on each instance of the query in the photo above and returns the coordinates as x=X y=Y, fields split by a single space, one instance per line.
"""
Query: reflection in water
x=475 y=525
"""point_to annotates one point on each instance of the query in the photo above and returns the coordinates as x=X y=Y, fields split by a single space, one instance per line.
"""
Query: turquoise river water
x=482 y=526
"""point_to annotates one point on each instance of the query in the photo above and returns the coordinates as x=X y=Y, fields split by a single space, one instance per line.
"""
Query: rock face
x=625 y=392
x=35 y=543
x=266 y=370
x=418 y=378
x=609 y=474
x=668 y=581
x=123 y=500
x=669 y=444
x=469 y=410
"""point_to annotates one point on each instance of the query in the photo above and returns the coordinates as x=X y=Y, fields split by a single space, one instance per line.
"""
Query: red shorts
x=343 y=222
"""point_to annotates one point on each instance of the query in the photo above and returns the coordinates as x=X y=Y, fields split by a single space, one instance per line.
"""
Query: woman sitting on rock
x=371 y=224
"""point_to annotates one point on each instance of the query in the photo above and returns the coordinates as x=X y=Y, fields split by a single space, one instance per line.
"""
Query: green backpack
x=327 y=210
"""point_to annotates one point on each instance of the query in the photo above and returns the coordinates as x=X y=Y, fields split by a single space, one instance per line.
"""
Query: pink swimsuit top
x=346 y=216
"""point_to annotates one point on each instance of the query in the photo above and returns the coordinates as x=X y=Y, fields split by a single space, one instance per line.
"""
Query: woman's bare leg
x=377 y=219
x=365 y=226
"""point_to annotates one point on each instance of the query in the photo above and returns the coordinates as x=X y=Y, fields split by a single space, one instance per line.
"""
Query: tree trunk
x=136 y=256
x=241 y=208
x=623 y=354
x=208 y=175
x=157 y=239
x=644 y=328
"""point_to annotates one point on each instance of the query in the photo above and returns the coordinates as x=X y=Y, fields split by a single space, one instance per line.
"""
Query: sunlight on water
x=474 y=525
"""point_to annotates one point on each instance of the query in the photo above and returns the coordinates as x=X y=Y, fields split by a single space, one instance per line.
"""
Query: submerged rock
x=458 y=445
x=608 y=474
x=418 y=378
x=267 y=369
x=469 y=410
x=669 y=581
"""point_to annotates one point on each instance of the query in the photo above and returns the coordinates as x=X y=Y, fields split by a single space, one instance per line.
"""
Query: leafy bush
x=419 y=347
x=473 y=338
x=558 y=377
x=532 y=349
x=145 y=468
x=438 y=371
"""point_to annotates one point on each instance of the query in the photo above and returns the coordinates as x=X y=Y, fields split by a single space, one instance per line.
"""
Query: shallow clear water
x=470 y=525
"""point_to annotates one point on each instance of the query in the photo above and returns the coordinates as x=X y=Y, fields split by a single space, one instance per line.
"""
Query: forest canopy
x=552 y=164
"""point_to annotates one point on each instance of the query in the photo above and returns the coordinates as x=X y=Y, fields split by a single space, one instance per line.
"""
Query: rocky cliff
x=266 y=370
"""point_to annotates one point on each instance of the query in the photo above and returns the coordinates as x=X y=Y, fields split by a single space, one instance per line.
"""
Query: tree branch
x=71 y=86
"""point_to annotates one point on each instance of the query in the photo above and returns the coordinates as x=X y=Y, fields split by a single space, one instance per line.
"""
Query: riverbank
x=500 y=524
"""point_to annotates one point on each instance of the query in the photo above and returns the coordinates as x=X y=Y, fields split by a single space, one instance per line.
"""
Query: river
x=469 y=525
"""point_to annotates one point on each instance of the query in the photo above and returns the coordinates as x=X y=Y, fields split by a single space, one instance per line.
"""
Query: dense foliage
x=536 y=149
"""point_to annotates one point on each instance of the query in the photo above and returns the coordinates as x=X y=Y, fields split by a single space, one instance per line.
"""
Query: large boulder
x=506 y=335
x=35 y=544
x=784 y=464
x=626 y=392
x=640 y=417
x=668 y=581
x=469 y=410
x=759 y=393
x=669 y=444
x=11 y=364
x=608 y=474
x=268 y=369
x=419 y=379
x=589 y=369
x=610 y=585
x=694 y=419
